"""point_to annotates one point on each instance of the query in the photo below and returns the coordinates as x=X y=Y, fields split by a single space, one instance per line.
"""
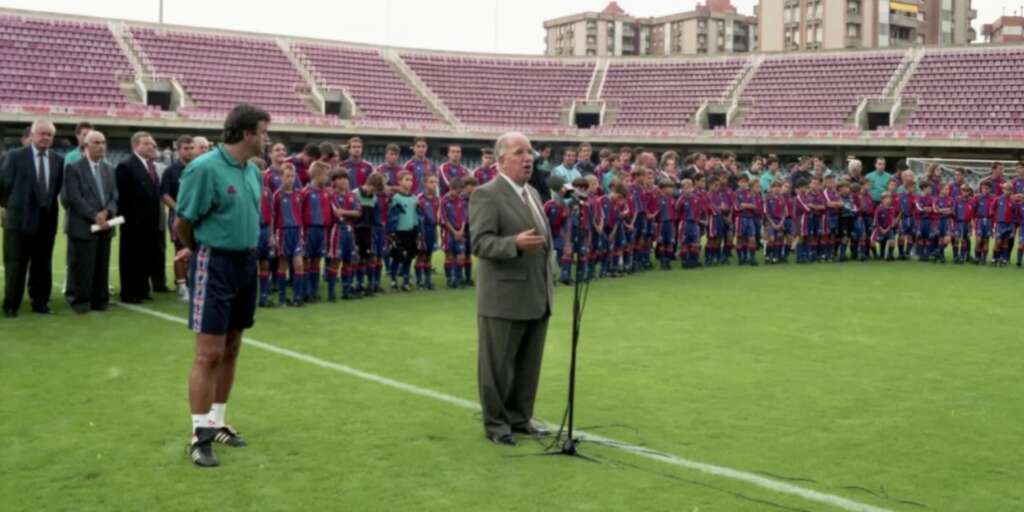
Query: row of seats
x=80 y=65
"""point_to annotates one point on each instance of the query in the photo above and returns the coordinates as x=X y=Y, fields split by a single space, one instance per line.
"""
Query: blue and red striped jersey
x=448 y=172
x=1005 y=210
x=272 y=179
x=266 y=206
x=485 y=174
x=943 y=203
x=664 y=210
x=316 y=206
x=390 y=173
x=776 y=208
x=420 y=169
x=287 y=209
x=453 y=212
x=963 y=210
x=428 y=209
x=885 y=217
x=908 y=205
x=347 y=201
x=301 y=170
x=866 y=204
x=689 y=208
x=358 y=171
x=557 y=214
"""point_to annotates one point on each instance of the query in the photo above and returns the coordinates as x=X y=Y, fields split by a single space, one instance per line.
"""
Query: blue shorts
x=907 y=226
x=926 y=228
x=598 y=242
x=943 y=227
x=222 y=290
x=342 y=243
x=639 y=227
x=963 y=230
x=316 y=242
x=984 y=228
x=379 y=241
x=666 y=233
x=833 y=223
x=452 y=246
x=1004 y=230
x=860 y=228
x=428 y=239
x=746 y=227
x=263 y=247
x=719 y=228
x=289 y=242
x=789 y=227
x=689 y=232
x=813 y=224
x=620 y=238
x=775 y=234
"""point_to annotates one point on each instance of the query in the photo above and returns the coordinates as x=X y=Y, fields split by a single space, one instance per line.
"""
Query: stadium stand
x=376 y=88
x=82 y=68
x=968 y=90
x=666 y=94
x=41 y=55
x=219 y=72
x=815 y=93
x=507 y=92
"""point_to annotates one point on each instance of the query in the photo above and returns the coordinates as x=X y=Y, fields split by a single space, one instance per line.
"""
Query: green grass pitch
x=892 y=385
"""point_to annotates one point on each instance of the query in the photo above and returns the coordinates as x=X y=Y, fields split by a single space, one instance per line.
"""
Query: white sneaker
x=183 y=293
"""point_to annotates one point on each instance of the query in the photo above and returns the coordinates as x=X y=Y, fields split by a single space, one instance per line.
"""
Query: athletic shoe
x=183 y=293
x=229 y=436
x=201 y=448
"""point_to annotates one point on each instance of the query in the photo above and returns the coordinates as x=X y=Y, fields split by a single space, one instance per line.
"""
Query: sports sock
x=217 y=413
x=199 y=421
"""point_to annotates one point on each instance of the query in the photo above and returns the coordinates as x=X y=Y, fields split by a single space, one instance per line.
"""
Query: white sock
x=217 y=412
x=198 y=421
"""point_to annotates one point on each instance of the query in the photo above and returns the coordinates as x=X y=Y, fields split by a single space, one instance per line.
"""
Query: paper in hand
x=116 y=221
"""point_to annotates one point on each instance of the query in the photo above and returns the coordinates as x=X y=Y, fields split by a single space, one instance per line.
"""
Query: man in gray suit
x=90 y=193
x=514 y=291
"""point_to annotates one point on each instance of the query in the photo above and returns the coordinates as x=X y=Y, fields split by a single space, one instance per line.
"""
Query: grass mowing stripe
x=734 y=474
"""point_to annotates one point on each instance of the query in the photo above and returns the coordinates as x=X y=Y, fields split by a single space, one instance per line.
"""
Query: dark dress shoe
x=502 y=439
x=42 y=310
x=148 y=298
x=531 y=430
x=131 y=300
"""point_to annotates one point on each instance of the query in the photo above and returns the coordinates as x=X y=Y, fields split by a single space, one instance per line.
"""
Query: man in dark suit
x=139 y=201
x=30 y=182
x=514 y=291
x=90 y=194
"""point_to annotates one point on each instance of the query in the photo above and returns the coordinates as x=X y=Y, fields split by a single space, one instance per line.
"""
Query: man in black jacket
x=30 y=181
x=139 y=201
x=90 y=194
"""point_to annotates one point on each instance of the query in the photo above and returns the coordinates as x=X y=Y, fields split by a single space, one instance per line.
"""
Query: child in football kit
x=983 y=222
x=403 y=228
x=746 y=232
x=264 y=247
x=663 y=217
x=429 y=210
x=777 y=212
x=1006 y=217
x=942 y=219
x=593 y=228
x=557 y=214
x=469 y=184
x=689 y=214
x=830 y=232
x=864 y=223
x=288 y=237
x=341 y=248
x=926 y=232
x=884 y=227
x=619 y=225
x=419 y=165
x=908 y=214
x=963 y=217
x=454 y=220
x=367 y=277
x=719 y=208
x=390 y=168
x=452 y=168
x=317 y=218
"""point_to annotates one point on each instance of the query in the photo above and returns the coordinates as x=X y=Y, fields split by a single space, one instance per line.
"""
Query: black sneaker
x=201 y=448
x=229 y=436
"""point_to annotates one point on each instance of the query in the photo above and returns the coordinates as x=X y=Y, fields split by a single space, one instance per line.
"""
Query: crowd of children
x=642 y=212
x=350 y=222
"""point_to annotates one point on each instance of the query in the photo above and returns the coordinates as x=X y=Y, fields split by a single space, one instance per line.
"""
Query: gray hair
x=41 y=123
x=93 y=134
x=855 y=165
x=501 y=145
x=138 y=136
x=201 y=140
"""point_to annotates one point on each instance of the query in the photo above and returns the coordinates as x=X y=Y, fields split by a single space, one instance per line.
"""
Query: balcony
x=900 y=20
x=854 y=17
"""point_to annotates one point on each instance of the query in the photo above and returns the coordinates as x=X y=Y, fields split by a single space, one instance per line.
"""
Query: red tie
x=152 y=170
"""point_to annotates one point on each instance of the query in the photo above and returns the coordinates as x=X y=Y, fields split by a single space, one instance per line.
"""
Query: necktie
x=99 y=182
x=538 y=219
x=151 y=167
x=44 y=183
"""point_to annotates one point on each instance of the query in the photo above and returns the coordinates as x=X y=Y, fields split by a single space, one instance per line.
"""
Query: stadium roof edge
x=402 y=49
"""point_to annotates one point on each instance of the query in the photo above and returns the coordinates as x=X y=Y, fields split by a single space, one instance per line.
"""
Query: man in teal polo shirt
x=218 y=224
x=81 y=130
x=879 y=179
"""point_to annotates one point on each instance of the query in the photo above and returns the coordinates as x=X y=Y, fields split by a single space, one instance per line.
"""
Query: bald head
x=95 y=145
x=515 y=157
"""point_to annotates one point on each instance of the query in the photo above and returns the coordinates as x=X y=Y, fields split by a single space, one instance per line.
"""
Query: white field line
x=668 y=458
x=712 y=469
